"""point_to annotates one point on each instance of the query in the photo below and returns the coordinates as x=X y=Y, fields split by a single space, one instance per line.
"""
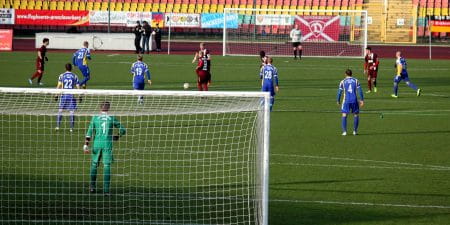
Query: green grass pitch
x=396 y=171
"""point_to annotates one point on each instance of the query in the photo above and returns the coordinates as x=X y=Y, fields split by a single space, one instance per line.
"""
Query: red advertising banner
x=440 y=25
x=6 y=38
x=52 y=17
x=318 y=28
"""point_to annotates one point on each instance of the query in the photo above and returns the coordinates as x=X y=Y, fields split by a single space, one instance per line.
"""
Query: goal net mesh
x=186 y=158
x=324 y=33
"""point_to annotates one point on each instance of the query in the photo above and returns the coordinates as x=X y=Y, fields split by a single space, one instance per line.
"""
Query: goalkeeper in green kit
x=100 y=131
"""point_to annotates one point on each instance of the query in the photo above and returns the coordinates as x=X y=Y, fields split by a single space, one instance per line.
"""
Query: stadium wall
x=100 y=41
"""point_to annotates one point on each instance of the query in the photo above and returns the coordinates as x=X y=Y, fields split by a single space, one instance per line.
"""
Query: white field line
x=364 y=204
x=364 y=160
x=363 y=167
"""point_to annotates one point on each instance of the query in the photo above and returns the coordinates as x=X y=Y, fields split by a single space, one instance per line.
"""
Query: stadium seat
x=126 y=6
x=89 y=6
x=52 y=5
x=97 y=6
x=60 y=5
x=68 y=5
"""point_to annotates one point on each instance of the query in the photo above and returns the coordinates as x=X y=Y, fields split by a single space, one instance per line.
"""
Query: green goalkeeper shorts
x=104 y=154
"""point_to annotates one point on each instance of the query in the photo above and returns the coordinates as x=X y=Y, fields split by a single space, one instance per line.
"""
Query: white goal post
x=187 y=157
x=325 y=33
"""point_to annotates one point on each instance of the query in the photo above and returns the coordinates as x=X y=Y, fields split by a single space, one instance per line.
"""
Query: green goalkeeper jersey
x=101 y=130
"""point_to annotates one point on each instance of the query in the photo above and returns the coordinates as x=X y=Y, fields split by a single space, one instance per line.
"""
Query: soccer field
x=396 y=171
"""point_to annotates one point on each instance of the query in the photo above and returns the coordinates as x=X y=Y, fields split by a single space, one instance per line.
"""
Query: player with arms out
x=79 y=60
x=40 y=61
x=139 y=69
x=350 y=86
x=206 y=55
x=101 y=132
x=402 y=74
x=67 y=80
x=203 y=75
x=296 y=38
x=269 y=77
x=371 y=69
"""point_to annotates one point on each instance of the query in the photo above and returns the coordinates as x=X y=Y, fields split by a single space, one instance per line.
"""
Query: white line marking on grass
x=364 y=167
x=364 y=160
x=364 y=204
x=112 y=55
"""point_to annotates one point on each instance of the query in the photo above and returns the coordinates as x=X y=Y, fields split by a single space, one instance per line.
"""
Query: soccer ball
x=186 y=86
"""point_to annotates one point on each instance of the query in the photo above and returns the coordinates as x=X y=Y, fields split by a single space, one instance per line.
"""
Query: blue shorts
x=268 y=88
x=68 y=102
x=139 y=86
x=403 y=76
x=85 y=71
x=350 y=107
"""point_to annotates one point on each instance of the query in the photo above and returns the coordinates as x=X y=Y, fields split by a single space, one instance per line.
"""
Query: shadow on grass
x=289 y=213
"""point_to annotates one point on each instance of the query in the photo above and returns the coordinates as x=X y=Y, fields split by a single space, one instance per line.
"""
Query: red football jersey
x=371 y=61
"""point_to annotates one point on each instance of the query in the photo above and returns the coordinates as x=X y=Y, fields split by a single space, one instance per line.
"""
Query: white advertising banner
x=182 y=19
x=101 y=18
x=6 y=16
x=133 y=17
x=282 y=20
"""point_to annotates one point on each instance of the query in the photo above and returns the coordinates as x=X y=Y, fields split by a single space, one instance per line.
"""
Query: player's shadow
x=406 y=132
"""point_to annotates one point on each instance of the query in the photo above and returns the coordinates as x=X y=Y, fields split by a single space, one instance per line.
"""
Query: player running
x=371 y=69
x=79 y=60
x=402 y=74
x=203 y=75
x=67 y=80
x=349 y=86
x=101 y=132
x=296 y=38
x=139 y=69
x=269 y=75
x=40 y=61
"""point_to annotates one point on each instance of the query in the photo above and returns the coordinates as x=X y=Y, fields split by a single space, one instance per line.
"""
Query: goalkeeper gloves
x=86 y=148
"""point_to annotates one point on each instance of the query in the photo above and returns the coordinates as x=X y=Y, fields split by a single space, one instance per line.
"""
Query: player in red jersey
x=206 y=55
x=371 y=69
x=40 y=61
x=203 y=75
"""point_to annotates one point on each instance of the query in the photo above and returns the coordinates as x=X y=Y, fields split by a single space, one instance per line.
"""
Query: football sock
x=59 y=118
x=395 y=88
x=375 y=83
x=411 y=85
x=205 y=87
x=106 y=177
x=344 y=124
x=356 y=123
x=72 y=119
x=295 y=53
x=369 y=85
x=39 y=78
x=93 y=174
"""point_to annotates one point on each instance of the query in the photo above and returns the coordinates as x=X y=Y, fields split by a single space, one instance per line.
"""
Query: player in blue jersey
x=269 y=77
x=79 y=60
x=350 y=87
x=402 y=74
x=67 y=80
x=140 y=70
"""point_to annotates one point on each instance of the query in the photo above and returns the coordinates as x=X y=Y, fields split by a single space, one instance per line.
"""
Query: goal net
x=186 y=158
x=324 y=33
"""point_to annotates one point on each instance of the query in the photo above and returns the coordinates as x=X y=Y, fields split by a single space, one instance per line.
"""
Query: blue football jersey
x=68 y=80
x=350 y=86
x=269 y=75
x=401 y=61
x=139 y=69
x=81 y=56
